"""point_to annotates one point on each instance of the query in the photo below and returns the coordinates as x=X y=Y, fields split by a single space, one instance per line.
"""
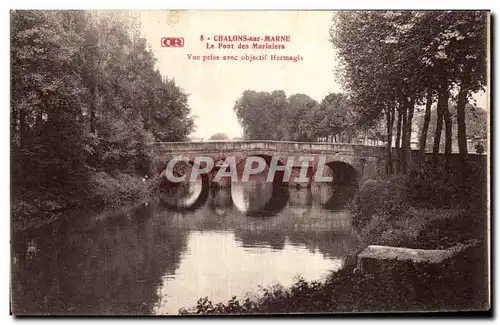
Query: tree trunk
x=448 y=130
x=409 y=120
x=439 y=125
x=425 y=127
x=390 y=121
x=398 y=140
x=462 y=131
x=462 y=134
x=403 y=155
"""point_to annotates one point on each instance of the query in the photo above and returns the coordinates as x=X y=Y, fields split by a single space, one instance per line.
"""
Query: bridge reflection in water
x=196 y=242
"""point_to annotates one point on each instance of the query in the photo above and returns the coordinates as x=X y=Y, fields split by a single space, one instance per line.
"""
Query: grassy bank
x=451 y=286
x=31 y=209
x=429 y=209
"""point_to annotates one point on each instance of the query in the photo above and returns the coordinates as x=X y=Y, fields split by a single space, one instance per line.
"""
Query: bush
x=26 y=214
x=424 y=209
x=431 y=186
x=30 y=209
x=379 y=197
x=112 y=191
x=417 y=228
x=453 y=226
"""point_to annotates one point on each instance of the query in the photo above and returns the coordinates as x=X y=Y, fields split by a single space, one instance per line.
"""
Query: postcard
x=249 y=162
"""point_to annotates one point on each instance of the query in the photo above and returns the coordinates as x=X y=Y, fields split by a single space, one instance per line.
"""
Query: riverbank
x=459 y=284
x=426 y=288
x=32 y=210
x=422 y=210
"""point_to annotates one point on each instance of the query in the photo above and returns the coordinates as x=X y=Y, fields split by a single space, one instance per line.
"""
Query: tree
x=47 y=99
x=292 y=123
x=219 y=136
x=469 y=55
x=311 y=127
x=398 y=60
x=425 y=126
x=338 y=117
x=273 y=116
x=85 y=98
x=378 y=66
x=456 y=58
x=260 y=113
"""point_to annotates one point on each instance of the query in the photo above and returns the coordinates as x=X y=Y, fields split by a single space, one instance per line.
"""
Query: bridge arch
x=197 y=192
x=268 y=157
x=342 y=172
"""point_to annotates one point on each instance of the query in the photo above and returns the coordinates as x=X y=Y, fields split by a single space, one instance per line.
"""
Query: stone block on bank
x=375 y=258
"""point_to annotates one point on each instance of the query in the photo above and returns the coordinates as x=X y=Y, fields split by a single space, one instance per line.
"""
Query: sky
x=215 y=85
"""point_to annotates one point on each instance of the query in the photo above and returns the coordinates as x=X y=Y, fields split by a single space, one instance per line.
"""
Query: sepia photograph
x=249 y=162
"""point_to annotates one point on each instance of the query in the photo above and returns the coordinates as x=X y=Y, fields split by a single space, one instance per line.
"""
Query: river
x=164 y=254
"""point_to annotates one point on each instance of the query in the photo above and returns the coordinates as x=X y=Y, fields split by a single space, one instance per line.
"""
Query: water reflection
x=227 y=269
x=164 y=255
x=332 y=197
x=185 y=196
x=89 y=266
x=251 y=197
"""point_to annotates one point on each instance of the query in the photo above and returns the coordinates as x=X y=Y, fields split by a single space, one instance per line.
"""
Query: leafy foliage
x=85 y=99
x=296 y=118
x=219 y=136
x=393 y=60
x=259 y=114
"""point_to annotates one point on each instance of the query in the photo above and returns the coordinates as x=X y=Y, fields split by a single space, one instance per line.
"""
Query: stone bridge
x=349 y=164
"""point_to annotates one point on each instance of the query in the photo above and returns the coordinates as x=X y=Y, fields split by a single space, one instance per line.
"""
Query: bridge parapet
x=366 y=161
x=270 y=145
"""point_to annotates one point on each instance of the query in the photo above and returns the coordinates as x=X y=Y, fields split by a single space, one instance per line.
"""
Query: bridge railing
x=263 y=145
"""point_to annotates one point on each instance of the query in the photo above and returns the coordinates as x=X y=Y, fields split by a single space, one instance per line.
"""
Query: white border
x=177 y=4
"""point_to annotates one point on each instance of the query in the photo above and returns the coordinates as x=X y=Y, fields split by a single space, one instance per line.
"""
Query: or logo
x=172 y=42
